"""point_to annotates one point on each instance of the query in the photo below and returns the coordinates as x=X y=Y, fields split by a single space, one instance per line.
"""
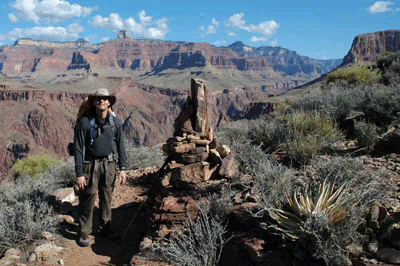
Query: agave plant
x=302 y=206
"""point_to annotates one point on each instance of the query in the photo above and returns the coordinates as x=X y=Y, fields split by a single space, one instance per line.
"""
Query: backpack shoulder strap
x=91 y=128
x=114 y=131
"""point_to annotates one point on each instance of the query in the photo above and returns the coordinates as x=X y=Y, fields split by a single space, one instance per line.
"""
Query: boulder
x=389 y=255
x=47 y=250
x=228 y=168
x=64 y=194
x=223 y=150
x=214 y=156
x=389 y=143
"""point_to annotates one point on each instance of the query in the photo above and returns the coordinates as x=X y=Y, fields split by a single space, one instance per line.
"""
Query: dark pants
x=100 y=175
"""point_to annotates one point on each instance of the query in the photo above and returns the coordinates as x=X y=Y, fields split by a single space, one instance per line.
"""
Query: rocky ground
x=248 y=245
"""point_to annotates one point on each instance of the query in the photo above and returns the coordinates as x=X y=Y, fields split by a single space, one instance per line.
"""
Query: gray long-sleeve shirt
x=102 y=144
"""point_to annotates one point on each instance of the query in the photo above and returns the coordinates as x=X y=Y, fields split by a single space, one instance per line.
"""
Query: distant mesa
x=155 y=56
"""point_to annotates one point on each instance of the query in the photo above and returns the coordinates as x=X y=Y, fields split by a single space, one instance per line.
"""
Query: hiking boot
x=83 y=240
x=107 y=232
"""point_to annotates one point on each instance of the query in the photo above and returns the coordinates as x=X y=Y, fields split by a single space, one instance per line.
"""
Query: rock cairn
x=197 y=165
x=194 y=152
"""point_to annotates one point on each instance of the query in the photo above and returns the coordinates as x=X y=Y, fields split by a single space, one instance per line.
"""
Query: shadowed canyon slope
x=43 y=121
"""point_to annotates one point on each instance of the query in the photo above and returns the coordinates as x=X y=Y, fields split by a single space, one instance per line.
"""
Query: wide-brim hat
x=103 y=92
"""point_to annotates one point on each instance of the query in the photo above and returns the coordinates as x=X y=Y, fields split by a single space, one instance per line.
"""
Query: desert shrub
x=270 y=180
x=27 y=188
x=389 y=65
x=367 y=186
x=381 y=104
x=33 y=165
x=366 y=134
x=141 y=156
x=325 y=216
x=310 y=133
x=268 y=133
x=199 y=244
x=24 y=210
x=233 y=134
x=353 y=74
x=311 y=218
x=219 y=205
x=334 y=100
x=63 y=174
x=22 y=222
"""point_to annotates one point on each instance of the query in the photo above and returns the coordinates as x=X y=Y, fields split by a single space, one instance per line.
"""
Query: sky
x=317 y=29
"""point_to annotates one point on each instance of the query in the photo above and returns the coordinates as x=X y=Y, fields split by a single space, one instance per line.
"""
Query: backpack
x=84 y=109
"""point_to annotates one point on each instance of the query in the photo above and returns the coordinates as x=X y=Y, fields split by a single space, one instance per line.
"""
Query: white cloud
x=273 y=43
x=72 y=31
x=105 y=39
x=266 y=28
x=211 y=29
x=12 y=17
x=380 y=6
x=90 y=37
x=219 y=43
x=231 y=34
x=215 y=22
x=145 y=27
x=49 y=11
x=258 y=39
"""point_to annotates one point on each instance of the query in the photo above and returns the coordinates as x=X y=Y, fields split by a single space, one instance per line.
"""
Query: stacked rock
x=195 y=155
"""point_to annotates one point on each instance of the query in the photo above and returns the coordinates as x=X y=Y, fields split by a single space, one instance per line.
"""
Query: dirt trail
x=126 y=202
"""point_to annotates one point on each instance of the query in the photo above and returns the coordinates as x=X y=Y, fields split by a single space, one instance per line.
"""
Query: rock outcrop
x=366 y=47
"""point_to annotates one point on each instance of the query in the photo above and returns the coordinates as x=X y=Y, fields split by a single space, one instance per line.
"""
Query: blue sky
x=318 y=29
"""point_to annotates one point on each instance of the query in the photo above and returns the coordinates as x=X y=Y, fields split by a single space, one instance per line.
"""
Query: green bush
x=353 y=74
x=310 y=133
x=33 y=165
x=366 y=134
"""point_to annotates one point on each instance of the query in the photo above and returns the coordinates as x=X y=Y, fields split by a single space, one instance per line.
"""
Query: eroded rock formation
x=367 y=47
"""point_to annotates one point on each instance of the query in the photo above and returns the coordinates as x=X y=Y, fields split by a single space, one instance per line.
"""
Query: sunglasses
x=104 y=98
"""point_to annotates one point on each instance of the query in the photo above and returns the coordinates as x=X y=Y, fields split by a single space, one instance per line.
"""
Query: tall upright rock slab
x=199 y=100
